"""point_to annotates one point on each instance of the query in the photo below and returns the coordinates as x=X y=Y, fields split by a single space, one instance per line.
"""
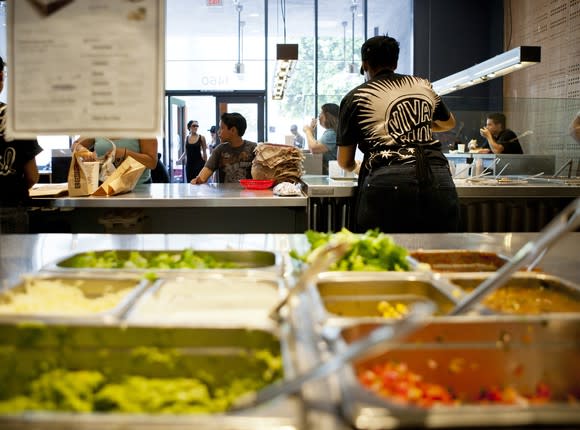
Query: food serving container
x=458 y=260
x=526 y=293
x=341 y=298
x=221 y=359
x=474 y=358
x=257 y=184
x=225 y=259
x=104 y=298
x=214 y=298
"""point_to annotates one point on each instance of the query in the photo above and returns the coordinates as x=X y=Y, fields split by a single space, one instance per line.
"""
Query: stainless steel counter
x=179 y=196
x=21 y=254
x=323 y=186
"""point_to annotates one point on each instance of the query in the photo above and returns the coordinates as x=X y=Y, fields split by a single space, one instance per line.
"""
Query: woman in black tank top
x=195 y=151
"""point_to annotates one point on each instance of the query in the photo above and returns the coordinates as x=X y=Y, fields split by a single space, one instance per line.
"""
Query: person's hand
x=484 y=132
x=195 y=181
x=313 y=123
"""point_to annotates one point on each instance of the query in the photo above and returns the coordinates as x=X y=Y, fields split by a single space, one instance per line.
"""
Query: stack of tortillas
x=282 y=163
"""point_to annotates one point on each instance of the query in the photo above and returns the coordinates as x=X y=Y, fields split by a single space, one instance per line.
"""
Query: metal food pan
x=466 y=356
x=210 y=298
x=242 y=259
x=56 y=307
x=525 y=293
x=458 y=260
x=214 y=356
x=357 y=294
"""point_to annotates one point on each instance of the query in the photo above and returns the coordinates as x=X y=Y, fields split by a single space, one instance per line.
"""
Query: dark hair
x=331 y=115
x=235 y=119
x=189 y=124
x=1 y=64
x=498 y=118
x=380 y=52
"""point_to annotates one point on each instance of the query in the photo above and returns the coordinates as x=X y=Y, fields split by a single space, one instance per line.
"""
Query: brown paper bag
x=122 y=180
x=83 y=176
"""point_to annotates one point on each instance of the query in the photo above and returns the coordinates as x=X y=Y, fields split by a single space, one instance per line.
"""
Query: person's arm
x=314 y=145
x=31 y=175
x=203 y=148
x=147 y=156
x=202 y=177
x=439 y=125
x=346 y=158
x=495 y=147
x=86 y=142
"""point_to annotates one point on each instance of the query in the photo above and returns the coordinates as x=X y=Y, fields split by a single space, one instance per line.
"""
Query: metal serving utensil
x=375 y=340
x=531 y=253
x=324 y=258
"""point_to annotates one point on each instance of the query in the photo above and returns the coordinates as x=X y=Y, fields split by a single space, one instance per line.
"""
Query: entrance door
x=175 y=138
x=251 y=106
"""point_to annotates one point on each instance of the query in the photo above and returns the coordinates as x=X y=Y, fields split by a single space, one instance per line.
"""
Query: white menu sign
x=90 y=67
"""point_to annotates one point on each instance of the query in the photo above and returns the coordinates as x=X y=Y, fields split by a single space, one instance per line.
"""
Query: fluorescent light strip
x=500 y=65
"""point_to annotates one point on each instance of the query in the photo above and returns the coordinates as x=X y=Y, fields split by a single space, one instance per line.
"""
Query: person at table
x=142 y=150
x=499 y=138
x=231 y=159
x=18 y=173
x=404 y=182
x=326 y=145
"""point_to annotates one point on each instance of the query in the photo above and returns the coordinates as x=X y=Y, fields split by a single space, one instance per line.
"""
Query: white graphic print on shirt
x=395 y=113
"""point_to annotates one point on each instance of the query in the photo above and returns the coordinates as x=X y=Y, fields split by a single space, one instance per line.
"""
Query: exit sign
x=214 y=2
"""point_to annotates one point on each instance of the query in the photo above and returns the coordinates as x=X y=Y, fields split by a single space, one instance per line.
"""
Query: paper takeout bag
x=83 y=176
x=123 y=179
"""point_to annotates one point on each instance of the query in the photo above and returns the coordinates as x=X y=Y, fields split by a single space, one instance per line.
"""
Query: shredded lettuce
x=371 y=251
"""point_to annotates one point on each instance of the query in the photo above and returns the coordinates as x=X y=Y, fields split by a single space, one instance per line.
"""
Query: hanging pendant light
x=352 y=68
x=239 y=66
x=286 y=57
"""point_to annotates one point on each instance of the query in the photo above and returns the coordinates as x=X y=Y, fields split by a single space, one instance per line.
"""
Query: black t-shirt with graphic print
x=388 y=116
x=13 y=157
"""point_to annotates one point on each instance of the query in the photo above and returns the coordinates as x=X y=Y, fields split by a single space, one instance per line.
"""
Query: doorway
x=207 y=108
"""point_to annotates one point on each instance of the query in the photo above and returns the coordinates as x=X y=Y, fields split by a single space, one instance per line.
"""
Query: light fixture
x=500 y=65
x=239 y=66
x=286 y=56
x=352 y=68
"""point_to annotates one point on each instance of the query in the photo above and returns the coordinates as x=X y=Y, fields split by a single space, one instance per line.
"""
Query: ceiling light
x=286 y=56
x=500 y=65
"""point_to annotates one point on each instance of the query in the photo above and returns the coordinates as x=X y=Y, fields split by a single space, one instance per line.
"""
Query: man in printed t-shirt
x=404 y=184
x=233 y=157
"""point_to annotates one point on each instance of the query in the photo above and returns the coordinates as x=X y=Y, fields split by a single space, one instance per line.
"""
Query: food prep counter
x=172 y=208
x=486 y=205
x=232 y=338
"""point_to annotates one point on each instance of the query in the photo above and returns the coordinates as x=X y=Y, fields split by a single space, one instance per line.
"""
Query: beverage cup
x=461 y=147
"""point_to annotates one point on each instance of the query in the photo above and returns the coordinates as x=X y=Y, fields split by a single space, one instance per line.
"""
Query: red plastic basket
x=256 y=184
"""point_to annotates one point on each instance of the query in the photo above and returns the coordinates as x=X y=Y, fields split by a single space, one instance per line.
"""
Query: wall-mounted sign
x=214 y=2
x=90 y=67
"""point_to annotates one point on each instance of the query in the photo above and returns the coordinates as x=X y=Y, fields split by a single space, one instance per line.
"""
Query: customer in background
x=232 y=159
x=499 y=139
x=142 y=150
x=214 y=140
x=298 y=138
x=18 y=173
x=160 y=175
x=195 y=151
x=404 y=181
x=326 y=146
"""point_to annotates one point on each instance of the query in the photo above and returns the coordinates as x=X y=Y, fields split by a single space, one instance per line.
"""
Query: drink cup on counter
x=461 y=147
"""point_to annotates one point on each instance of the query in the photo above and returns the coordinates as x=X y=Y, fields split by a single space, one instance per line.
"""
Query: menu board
x=90 y=67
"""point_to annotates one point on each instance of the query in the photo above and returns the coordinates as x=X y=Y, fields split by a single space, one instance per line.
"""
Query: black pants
x=393 y=199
